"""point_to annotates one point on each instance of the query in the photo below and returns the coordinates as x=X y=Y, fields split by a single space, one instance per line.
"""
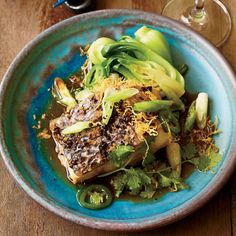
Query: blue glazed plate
x=55 y=52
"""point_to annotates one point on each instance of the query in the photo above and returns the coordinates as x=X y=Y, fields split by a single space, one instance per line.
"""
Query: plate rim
x=184 y=209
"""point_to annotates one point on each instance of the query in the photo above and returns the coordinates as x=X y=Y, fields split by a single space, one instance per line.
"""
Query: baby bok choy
x=146 y=72
x=145 y=58
x=147 y=54
x=94 y=52
x=94 y=76
x=154 y=40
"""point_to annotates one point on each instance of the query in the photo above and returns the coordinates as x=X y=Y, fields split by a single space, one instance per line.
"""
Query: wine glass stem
x=199 y=4
x=198 y=12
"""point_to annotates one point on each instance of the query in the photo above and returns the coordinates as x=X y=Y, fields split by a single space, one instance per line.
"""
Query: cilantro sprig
x=205 y=161
x=172 y=181
x=146 y=180
x=145 y=184
x=135 y=181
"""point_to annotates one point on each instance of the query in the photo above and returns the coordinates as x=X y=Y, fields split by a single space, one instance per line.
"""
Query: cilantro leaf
x=133 y=180
x=189 y=151
x=119 y=182
x=201 y=162
x=145 y=179
x=137 y=179
x=172 y=181
x=119 y=155
x=164 y=181
x=148 y=192
x=215 y=158
x=177 y=182
x=206 y=162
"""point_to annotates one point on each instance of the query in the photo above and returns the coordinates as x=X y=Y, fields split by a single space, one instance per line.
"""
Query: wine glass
x=209 y=17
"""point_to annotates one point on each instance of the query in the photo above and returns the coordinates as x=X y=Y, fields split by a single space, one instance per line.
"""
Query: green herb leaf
x=145 y=179
x=189 y=151
x=133 y=179
x=119 y=155
x=164 y=181
x=148 y=192
x=119 y=182
x=177 y=182
x=170 y=121
x=215 y=158
x=206 y=162
x=172 y=181
x=201 y=162
x=137 y=178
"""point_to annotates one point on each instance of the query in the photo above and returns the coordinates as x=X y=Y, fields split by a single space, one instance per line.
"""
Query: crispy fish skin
x=85 y=154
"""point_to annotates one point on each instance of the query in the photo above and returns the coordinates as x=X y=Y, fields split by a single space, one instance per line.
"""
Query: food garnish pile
x=128 y=126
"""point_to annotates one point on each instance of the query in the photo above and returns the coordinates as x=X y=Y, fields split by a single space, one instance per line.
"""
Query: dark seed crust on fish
x=85 y=154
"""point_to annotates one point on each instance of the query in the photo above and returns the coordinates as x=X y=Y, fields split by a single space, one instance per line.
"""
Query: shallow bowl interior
x=24 y=93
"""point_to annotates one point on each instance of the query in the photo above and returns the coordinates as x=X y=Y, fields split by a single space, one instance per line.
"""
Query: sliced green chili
x=95 y=196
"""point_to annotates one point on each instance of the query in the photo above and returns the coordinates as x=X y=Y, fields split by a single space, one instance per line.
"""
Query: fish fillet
x=85 y=154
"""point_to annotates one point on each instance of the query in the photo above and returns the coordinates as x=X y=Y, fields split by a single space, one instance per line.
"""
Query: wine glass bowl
x=210 y=18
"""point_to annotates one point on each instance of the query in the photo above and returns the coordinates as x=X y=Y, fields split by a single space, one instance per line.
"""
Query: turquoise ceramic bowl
x=55 y=52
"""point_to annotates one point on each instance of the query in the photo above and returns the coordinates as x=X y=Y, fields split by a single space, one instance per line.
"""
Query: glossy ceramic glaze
x=55 y=52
